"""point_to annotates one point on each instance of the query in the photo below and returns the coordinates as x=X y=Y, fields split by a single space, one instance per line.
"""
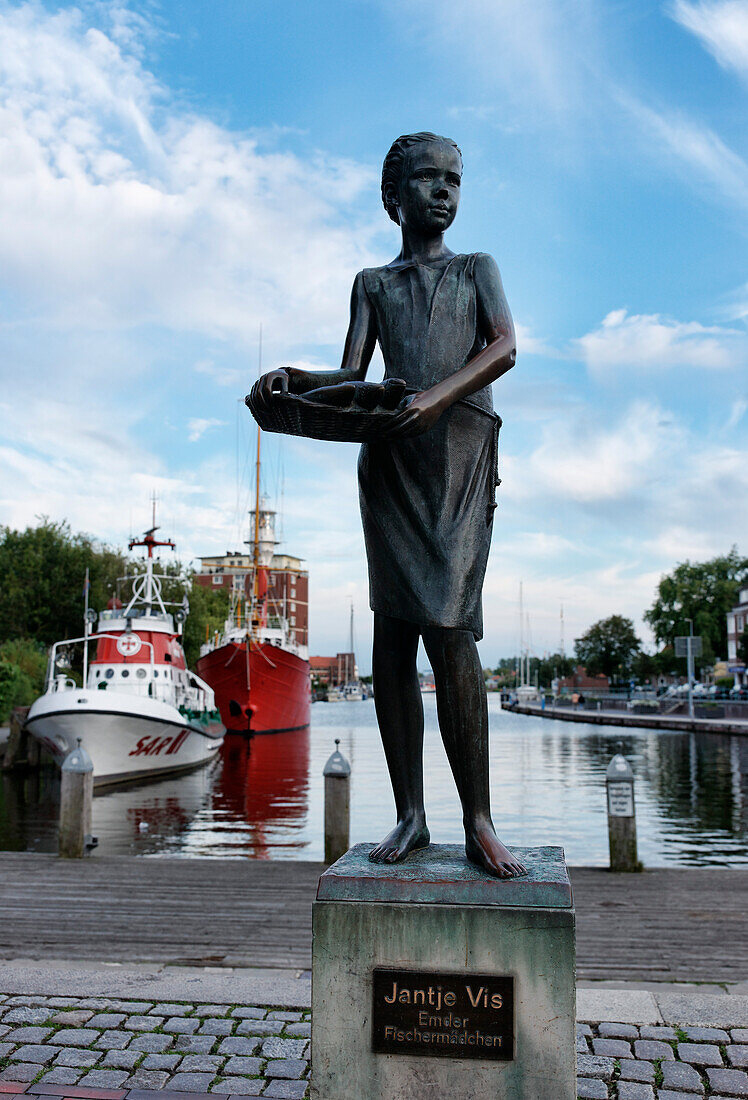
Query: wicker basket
x=292 y=414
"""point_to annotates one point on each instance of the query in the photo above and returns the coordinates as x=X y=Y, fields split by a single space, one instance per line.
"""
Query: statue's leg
x=463 y=721
x=397 y=697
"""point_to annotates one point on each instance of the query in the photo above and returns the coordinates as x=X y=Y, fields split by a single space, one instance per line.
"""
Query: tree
x=701 y=591
x=209 y=608
x=23 y=665
x=609 y=646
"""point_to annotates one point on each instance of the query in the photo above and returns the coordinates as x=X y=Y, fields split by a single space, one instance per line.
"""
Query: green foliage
x=43 y=572
x=725 y=682
x=702 y=591
x=209 y=608
x=610 y=646
x=16 y=689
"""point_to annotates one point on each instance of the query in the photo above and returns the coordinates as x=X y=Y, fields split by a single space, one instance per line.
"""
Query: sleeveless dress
x=427 y=503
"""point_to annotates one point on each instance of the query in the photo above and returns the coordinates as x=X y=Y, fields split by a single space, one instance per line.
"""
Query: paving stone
x=107 y=1019
x=582 y=1045
x=739 y=1034
x=304 y=1030
x=62 y=1075
x=287 y=1090
x=216 y=1027
x=618 y=1031
x=195 y=1044
x=240 y=1044
x=98 y=1004
x=148 y=1079
x=177 y=1025
x=657 y=1031
x=202 y=1063
x=590 y=1066
x=239 y=1086
x=73 y=1017
x=31 y=1052
x=20 y=1071
x=289 y=1017
x=291 y=1068
x=249 y=1066
x=26 y=1016
x=76 y=1037
x=612 y=1048
x=700 y=1054
x=590 y=1088
x=668 y=1094
x=707 y=1035
x=113 y=1040
x=121 y=1059
x=80 y=1059
x=4 y=1030
x=5 y=1049
x=130 y=1006
x=103 y=1079
x=247 y=1012
x=22 y=1000
x=172 y=1010
x=733 y=1082
x=211 y=1010
x=28 y=1034
x=737 y=1055
x=143 y=1023
x=637 y=1071
x=260 y=1027
x=152 y=1042
x=652 y=1051
x=286 y=1048
x=62 y=1002
x=191 y=1082
x=635 y=1090
x=584 y=1029
x=161 y=1061
x=679 y=1075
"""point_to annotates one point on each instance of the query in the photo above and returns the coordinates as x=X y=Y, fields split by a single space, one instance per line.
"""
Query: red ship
x=256 y=666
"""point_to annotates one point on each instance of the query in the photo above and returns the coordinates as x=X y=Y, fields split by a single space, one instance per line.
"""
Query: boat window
x=125 y=672
x=109 y=673
x=140 y=674
x=98 y=673
x=102 y=686
x=167 y=656
x=155 y=672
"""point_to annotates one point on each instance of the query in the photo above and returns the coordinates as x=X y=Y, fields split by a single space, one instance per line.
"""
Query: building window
x=217 y=579
x=293 y=606
x=293 y=593
x=293 y=620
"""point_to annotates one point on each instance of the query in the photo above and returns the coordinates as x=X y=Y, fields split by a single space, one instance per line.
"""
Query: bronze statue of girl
x=427 y=489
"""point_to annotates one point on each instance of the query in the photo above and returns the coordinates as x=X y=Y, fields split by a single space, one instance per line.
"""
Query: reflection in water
x=263 y=799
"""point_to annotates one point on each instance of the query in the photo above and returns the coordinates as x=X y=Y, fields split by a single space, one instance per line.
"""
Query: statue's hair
x=392 y=169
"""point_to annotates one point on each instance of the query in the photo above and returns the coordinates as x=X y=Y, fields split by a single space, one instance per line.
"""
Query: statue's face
x=430 y=186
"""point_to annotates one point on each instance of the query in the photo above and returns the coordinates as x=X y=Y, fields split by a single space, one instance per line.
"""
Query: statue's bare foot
x=483 y=847
x=407 y=836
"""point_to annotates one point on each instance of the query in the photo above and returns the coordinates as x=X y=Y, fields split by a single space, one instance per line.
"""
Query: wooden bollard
x=76 y=797
x=337 y=775
x=619 y=783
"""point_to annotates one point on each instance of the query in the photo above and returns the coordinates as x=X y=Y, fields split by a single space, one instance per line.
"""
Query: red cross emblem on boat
x=128 y=644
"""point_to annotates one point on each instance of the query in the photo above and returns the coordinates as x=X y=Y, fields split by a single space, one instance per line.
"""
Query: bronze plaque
x=443 y=1015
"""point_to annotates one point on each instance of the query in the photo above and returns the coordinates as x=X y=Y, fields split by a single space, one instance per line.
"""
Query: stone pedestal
x=431 y=979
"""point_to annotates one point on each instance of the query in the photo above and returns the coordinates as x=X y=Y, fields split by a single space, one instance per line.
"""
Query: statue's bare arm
x=359 y=348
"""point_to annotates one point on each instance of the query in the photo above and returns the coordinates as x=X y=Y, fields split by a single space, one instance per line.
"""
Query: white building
x=737 y=622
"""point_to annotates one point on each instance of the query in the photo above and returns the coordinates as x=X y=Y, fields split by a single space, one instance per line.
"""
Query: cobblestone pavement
x=108 y=1048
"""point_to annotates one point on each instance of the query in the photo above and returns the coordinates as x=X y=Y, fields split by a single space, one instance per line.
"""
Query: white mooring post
x=337 y=775
x=76 y=796
x=619 y=784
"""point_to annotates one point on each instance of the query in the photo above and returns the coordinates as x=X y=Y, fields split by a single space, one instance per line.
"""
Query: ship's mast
x=150 y=542
x=256 y=536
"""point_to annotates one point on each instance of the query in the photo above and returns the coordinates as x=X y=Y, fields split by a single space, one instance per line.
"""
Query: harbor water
x=263 y=799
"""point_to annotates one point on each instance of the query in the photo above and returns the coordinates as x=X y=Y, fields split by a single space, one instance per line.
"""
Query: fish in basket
x=351 y=412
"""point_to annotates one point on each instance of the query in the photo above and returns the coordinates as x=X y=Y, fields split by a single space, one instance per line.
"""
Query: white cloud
x=722 y=27
x=198 y=426
x=120 y=209
x=222 y=376
x=646 y=341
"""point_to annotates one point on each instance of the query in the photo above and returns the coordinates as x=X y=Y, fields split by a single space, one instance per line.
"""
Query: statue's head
x=421 y=181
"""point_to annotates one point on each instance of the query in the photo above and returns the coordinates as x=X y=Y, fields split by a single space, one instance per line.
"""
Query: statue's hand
x=275 y=381
x=420 y=414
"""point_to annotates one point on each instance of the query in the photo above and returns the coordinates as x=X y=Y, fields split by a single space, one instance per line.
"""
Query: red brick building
x=581 y=681
x=334 y=671
x=288 y=585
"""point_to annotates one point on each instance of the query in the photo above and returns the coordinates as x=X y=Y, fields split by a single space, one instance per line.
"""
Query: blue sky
x=174 y=175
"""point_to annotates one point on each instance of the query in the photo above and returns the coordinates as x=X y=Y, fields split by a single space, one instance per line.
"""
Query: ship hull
x=274 y=697
x=128 y=738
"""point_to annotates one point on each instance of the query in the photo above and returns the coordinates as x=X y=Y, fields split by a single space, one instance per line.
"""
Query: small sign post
x=619 y=785
x=689 y=646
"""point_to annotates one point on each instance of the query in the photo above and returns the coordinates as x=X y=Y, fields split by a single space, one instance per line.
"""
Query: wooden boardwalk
x=678 y=924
